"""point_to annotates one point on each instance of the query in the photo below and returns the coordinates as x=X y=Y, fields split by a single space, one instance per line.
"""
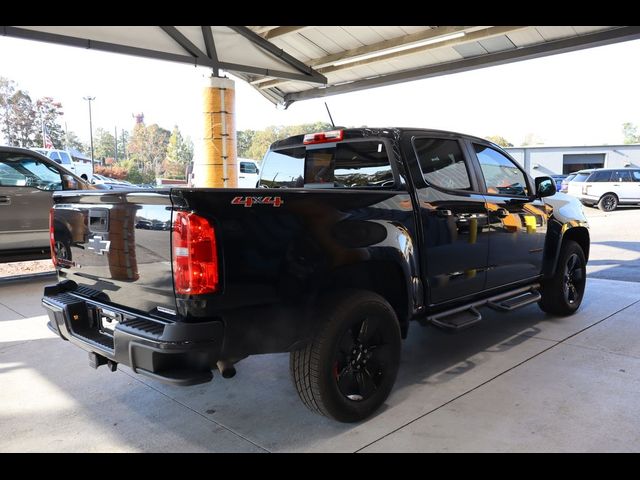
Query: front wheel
x=348 y=370
x=562 y=294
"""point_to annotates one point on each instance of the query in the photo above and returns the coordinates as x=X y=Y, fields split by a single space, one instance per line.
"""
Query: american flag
x=46 y=139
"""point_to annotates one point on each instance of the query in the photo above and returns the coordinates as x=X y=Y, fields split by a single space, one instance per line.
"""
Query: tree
x=263 y=138
x=122 y=144
x=499 y=140
x=148 y=147
x=20 y=120
x=179 y=154
x=245 y=138
x=104 y=144
x=630 y=133
x=132 y=173
x=73 y=141
x=47 y=113
x=7 y=89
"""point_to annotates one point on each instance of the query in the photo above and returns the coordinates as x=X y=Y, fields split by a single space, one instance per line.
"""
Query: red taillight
x=323 y=137
x=52 y=240
x=195 y=257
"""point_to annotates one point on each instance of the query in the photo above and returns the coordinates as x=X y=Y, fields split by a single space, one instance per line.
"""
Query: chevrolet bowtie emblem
x=99 y=245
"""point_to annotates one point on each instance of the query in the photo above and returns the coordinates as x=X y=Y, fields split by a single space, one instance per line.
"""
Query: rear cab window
x=348 y=164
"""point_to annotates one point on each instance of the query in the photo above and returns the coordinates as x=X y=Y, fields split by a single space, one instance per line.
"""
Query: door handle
x=4 y=200
x=443 y=212
x=502 y=213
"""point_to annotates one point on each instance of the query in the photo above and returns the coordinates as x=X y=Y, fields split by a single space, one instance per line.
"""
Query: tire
x=608 y=202
x=563 y=293
x=329 y=377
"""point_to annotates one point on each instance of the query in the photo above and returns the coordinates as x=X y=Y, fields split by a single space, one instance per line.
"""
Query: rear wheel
x=349 y=368
x=62 y=246
x=608 y=202
x=562 y=294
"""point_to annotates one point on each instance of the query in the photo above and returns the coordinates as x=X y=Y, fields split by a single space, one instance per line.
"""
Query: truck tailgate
x=120 y=247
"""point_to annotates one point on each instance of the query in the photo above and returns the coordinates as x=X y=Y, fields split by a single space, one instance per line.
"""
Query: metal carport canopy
x=290 y=63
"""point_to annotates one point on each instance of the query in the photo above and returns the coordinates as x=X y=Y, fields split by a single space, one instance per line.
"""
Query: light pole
x=91 y=131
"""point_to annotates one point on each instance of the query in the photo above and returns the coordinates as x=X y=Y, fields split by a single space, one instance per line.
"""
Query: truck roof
x=363 y=132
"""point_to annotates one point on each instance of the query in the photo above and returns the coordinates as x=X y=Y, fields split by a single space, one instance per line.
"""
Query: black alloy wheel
x=574 y=278
x=362 y=360
x=563 y=293
x=349 y=367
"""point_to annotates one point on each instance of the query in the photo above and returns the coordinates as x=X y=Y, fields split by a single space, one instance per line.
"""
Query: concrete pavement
x=615 y=243
x=522 y=381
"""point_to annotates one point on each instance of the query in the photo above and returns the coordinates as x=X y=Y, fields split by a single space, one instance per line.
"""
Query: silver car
x=27 y=182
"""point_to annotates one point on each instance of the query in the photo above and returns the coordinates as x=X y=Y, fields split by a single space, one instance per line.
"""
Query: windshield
x=356 y=164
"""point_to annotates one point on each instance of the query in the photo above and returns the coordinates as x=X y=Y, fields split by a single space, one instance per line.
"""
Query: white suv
x=606 y=187
x=81 y=169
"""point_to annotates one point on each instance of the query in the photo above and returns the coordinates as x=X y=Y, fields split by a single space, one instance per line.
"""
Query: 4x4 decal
x=250 y=201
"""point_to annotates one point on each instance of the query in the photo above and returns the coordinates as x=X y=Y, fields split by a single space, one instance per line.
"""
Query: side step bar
x=457 y=321
x=512 y=303
x=462 y=317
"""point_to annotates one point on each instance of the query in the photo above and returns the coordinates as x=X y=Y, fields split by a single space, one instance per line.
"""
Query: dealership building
x=543 y=160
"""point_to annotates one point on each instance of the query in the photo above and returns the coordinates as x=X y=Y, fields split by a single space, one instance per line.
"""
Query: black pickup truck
x=350 y=235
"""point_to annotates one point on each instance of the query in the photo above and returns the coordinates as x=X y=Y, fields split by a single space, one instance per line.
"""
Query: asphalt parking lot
x=523 y=381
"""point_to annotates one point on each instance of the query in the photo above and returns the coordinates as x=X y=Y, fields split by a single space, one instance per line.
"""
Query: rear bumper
x=175 y=353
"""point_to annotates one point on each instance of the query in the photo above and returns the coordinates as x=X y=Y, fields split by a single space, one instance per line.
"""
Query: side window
x=602 y=176
x=635 y=174
x=621 y=176
x=442 y=163
x=501 y=175
x=28 y=172
x=9 y=176
x=55 y=156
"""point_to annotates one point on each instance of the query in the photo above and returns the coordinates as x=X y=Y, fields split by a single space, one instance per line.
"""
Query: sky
x=578 y=98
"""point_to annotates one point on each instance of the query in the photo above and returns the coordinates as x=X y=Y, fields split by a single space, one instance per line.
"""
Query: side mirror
x=69 y=183
x=545 y=187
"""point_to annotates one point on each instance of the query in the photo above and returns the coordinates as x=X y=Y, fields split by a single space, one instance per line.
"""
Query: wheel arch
x=555 y=239
x=386 y=278
x=609 y=193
